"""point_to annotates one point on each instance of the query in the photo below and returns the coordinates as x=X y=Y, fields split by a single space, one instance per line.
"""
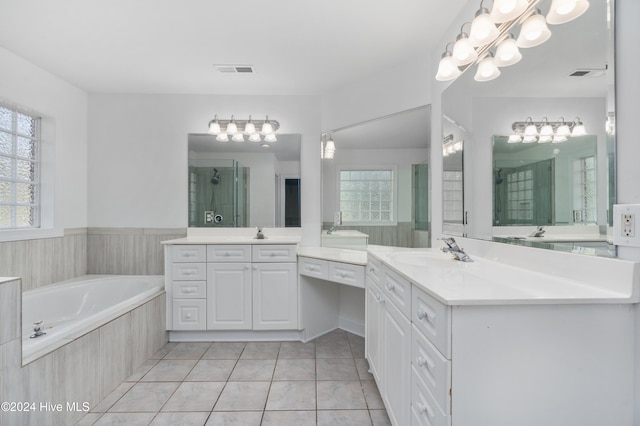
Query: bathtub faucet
x=37 y=329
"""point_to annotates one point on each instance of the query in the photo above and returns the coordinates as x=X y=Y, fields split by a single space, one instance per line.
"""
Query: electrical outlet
x=624 y=225
x=208 y=217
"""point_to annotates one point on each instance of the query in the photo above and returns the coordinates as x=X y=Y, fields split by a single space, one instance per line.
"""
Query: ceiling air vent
x=588 y=73
x=243 y=69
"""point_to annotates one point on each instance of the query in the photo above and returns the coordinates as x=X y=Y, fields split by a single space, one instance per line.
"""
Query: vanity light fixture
x=487 y=69
x=490 y=35
x=546 y=131
x=449 y=146
x=237 y=129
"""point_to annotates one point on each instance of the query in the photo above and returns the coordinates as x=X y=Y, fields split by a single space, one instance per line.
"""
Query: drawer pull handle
x=425 y=410
x=313 y=268
x=227 y=254
x=380 y=298
x=425 y=363
x=188 y=291
x=390 y=287
x=372 y=269
x=422 y=315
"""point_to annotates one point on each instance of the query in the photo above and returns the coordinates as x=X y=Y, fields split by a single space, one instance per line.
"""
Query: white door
x=275 y=296
x=228 y=296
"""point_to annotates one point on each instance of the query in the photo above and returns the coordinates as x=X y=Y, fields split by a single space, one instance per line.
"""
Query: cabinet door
x=396 y=360
x=373 y=327
x=275 y=296
x=229 y=296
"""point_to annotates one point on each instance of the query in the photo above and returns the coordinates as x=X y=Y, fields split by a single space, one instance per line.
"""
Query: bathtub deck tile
x=170 y=370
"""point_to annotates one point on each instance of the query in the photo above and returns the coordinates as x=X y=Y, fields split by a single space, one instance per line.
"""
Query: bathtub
x=73 y=308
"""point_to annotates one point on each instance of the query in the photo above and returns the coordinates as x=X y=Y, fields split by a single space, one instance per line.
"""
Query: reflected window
x=19 y=170
x=367 y=196
x=585 y=209
x=452 y=194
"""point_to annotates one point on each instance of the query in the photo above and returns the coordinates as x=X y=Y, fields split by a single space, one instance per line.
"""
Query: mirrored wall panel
x=561 y=177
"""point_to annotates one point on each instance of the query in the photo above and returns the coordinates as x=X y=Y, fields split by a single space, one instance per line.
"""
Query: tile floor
x=323 y=382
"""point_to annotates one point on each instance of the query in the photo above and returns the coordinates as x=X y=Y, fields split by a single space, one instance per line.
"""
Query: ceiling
x=167 y=46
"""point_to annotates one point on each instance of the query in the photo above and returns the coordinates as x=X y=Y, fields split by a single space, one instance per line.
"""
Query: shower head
x=215 y=179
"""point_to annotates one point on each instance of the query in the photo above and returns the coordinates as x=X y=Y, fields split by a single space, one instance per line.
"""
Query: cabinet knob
x=425 y=410
x=380 y=298
x=390 y=287
x=188 y=316
x=425 y=363
x=421 y=314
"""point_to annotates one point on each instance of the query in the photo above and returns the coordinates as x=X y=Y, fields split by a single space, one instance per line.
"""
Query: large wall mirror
x=513 y=186
x=244 y=184
x=378 y=178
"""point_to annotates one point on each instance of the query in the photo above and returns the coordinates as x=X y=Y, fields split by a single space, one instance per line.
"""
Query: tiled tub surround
x=497 y=341
x=40 y=262
x=128 y=251
x=85 y=370
x=324 y=382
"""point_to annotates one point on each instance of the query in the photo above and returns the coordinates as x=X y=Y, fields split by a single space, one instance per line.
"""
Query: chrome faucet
x=260 y=235
x=333 y=228
x=37 y=329
x=456 y=252
x=537 y=233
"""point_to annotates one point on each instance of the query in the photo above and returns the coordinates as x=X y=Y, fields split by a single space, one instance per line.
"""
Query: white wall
x=29 y=87
x=138 y=153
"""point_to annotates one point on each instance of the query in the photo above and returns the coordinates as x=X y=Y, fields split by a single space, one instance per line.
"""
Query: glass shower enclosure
x=219 y=195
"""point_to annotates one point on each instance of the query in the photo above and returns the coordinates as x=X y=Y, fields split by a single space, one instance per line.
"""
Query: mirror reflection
x=378 y=181
x=567 y=187
x=244 y=184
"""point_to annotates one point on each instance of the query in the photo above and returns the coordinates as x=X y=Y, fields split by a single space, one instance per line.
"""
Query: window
x=453 y=196
x=367 y=196
x=520 y=196
x=19 y=170
x=585 y=188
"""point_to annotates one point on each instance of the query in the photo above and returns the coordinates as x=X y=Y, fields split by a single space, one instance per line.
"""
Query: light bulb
x=232 y=128
x=214 y=126
x=483 y=29
x=563 y=130
x=545 y=138
x=529 y=139
x=249 y=128
x=447 y=69
x=463 y=51
x=546 y=130
x=563 y=11
x=559 y=139
x=531 y=130
x=534 y=31
x=266 y=127
x=514 y=138
x=222 y=137
x=487 y=70
x=254 y=137
x=578 y=129
x=238 y=137
x=271 y=137
x=507 y=52
x=507 y=10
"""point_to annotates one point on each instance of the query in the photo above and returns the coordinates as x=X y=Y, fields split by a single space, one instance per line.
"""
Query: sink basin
x=420 y=258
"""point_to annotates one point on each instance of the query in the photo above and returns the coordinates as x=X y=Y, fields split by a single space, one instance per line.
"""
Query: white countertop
x=487 y=282
x=356 y=257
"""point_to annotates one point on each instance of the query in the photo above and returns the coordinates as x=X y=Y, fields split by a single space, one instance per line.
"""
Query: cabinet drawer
x=424 y=409
x=189 y=314
x=347 y=273
x=433 y=319
x=374 y=269
x=229 y=253
x=433 y=368
x=188 y=271
x=398 y=290
x=189 y=289
x=188 y=253
x=313 y=267
x=274 y=253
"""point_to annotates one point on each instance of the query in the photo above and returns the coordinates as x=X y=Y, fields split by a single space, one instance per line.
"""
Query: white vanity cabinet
x=227 y=287
x=388 y=338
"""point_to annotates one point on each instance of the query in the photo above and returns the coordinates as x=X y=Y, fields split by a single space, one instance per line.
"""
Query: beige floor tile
x=297 y=350
x=261 y=350
x=194 y=396
x=380 y=418
x=169 y=370
x=295 y=369
x=188 y=350
x=340 y=395
x=211 y=370
x=344 y=418
x=336 y=369
x=182 y=419
x=247 y=370
x=372 y=395
x=238 y=418
x=145 y=397
x=292 y=395
x=224 y=350
x=286 y=418
x=243 y=396
x=129 y=419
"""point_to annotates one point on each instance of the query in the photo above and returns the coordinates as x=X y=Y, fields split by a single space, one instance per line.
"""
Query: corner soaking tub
x=73 y=308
